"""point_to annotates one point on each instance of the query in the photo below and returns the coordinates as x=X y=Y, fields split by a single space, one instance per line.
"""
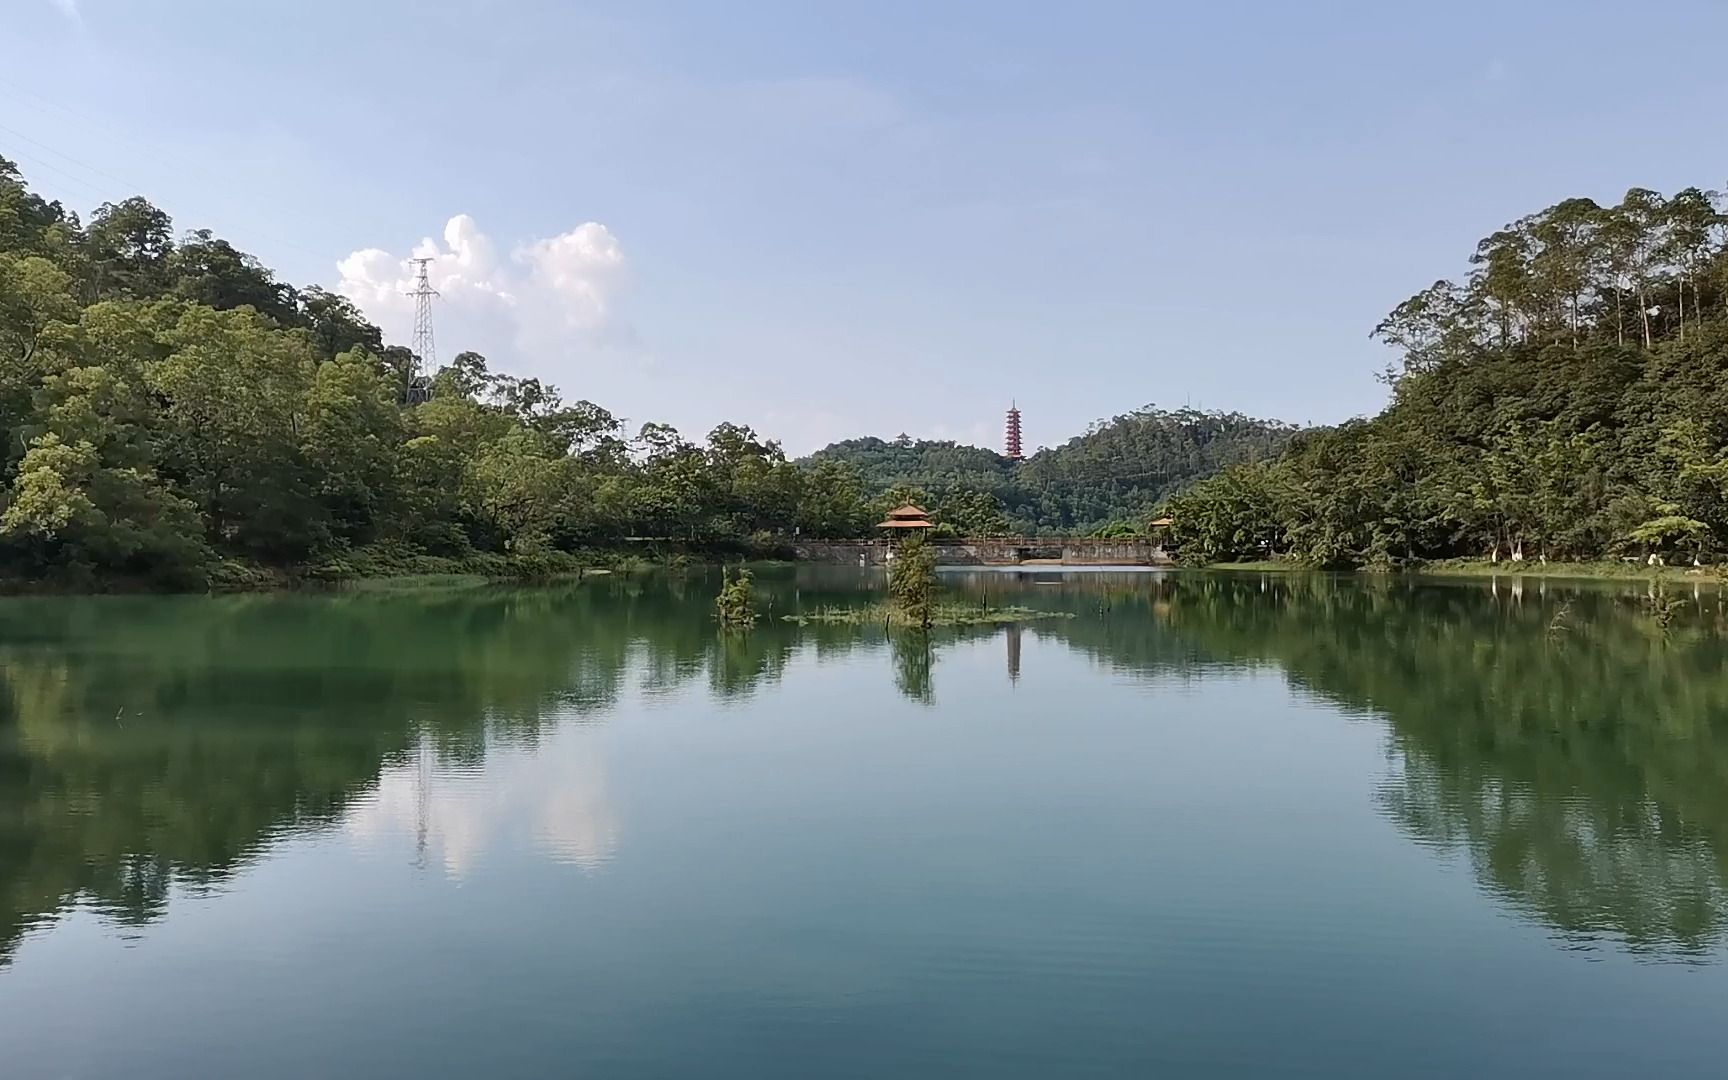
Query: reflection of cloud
x=575 y=823
x=552 y=797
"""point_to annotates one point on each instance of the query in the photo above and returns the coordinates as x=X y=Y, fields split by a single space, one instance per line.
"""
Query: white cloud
x=577 y=268
x=550 y=297
x=69 y=8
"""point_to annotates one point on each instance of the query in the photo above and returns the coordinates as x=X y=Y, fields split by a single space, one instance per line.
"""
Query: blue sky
x=829 y=220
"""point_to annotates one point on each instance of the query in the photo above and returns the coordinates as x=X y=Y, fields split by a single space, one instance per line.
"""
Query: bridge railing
x=1030 y=540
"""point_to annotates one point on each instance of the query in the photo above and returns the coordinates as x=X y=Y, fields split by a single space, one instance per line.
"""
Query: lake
x=1208 y=825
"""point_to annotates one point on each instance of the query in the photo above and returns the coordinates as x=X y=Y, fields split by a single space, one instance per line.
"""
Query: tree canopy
x=1566 y=399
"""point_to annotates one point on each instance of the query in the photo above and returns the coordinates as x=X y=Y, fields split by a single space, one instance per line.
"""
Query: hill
x=1121 y=468
x=934 y=465
x=1117 y=471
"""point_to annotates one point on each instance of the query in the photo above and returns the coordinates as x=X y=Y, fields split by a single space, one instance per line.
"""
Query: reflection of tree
x=1585 y=773
x=1644 y=878
x=146 y=742
x=121 y=775
x=149 y=741
x=914 y=656
x=743 y=660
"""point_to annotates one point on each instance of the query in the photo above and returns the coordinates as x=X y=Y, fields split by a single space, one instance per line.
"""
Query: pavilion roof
x=907 y=517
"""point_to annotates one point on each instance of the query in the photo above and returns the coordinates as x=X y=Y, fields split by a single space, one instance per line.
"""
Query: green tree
x=351 y=441
x=831 y=502
x=961 y=512
x=336 y=325
x=235 y=413
x=735 y=607
x=129 y=244
x=210 y=271
x=912 y=581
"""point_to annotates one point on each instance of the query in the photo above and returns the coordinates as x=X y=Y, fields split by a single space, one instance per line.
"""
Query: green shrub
x=735 y=607
x=912 y=581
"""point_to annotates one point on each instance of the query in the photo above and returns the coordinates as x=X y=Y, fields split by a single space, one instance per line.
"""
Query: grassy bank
x=381 y=568
x=445 y=582
x=387 y=569
x=1606 y=571
x=948 y=614
x=1264 y=565
x=1482 y=568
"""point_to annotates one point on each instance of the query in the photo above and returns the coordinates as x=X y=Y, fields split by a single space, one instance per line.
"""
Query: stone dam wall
x=1011 y=551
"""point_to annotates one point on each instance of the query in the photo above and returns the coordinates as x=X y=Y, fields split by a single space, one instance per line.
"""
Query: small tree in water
x=912 y=581
x=736 y=604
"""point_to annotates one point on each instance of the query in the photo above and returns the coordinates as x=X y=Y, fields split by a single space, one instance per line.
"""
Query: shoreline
x=444 y=573
x=1473 y=568
x=943 y=614
x=232 y=578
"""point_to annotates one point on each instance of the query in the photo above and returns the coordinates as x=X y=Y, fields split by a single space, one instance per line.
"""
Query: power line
x=65 y=156
x=86 y=188
x=101 y=190
x=30 y=100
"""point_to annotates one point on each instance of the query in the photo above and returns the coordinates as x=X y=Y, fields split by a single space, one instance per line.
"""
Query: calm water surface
x=1210 y=826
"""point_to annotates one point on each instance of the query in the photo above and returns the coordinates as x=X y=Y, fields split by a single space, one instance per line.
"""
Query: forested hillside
x=1567 y=399
x=934 y=465
x=1117 y=472
x=1120 y=469
x=173 y=415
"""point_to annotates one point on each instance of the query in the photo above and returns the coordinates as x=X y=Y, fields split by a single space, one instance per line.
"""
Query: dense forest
x=171 y=414
x=1115 y=474
x=1567 y=400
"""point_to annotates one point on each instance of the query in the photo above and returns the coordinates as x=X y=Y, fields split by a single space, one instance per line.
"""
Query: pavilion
x=906 y=520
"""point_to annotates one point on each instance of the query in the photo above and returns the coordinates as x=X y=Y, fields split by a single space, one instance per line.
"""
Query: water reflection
x=1565 y=743
x=150 y=742
x=555 y=793
x=914 y=656
x=1572 y=748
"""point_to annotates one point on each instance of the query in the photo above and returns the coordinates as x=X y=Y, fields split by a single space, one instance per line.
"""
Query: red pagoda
x=1013 y=448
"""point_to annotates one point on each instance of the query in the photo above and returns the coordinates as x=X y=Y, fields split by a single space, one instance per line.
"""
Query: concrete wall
x=841 y=552
x=997 y=552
